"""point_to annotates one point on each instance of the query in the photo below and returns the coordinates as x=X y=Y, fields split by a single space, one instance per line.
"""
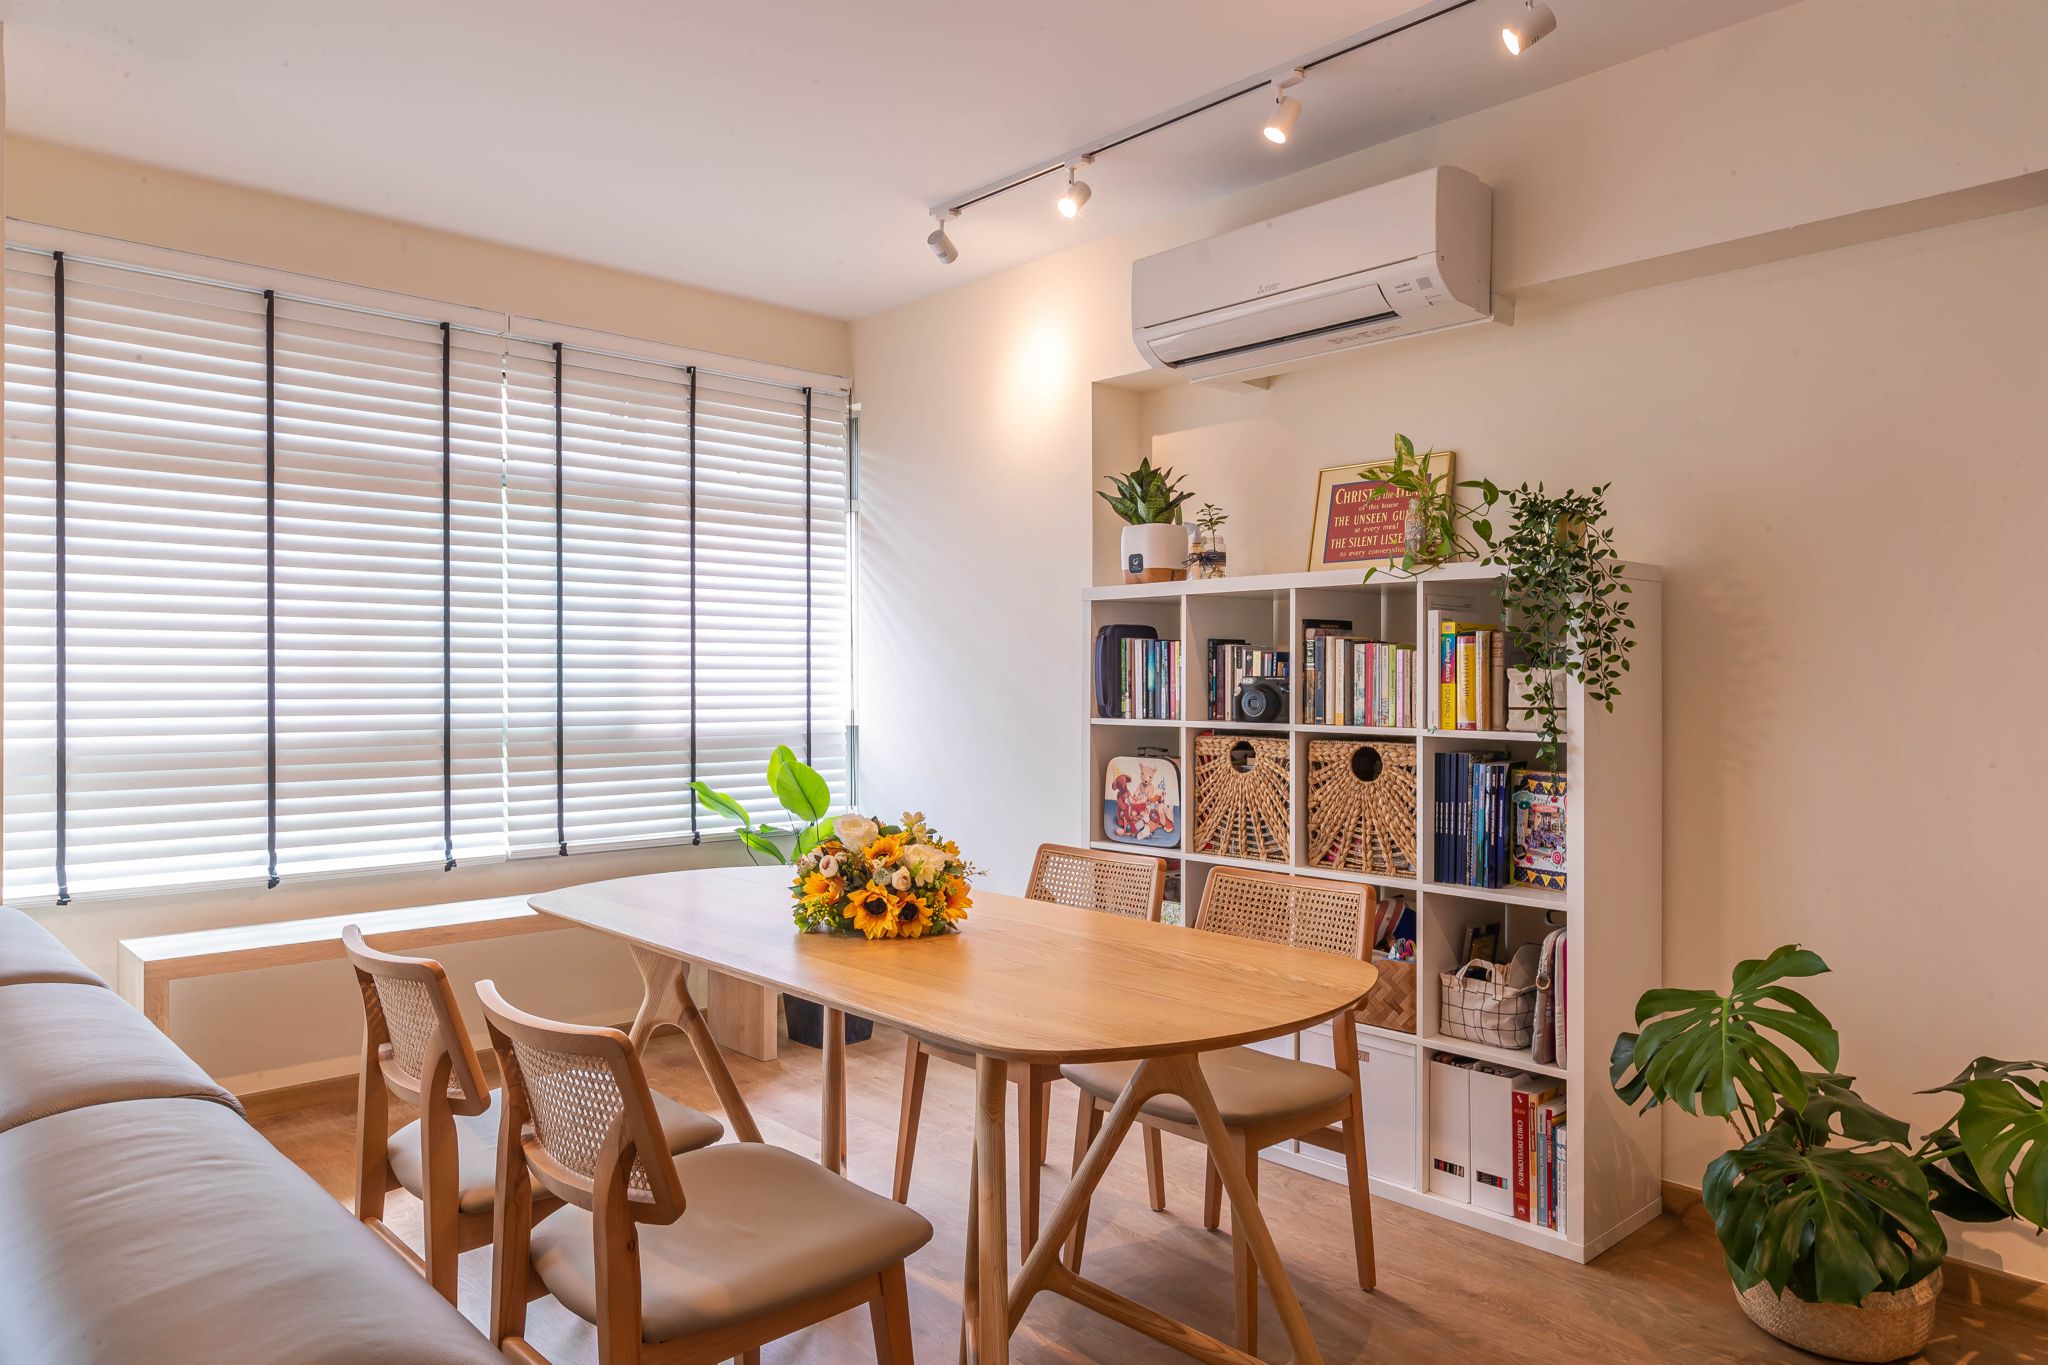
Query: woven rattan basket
x=1392 y=1002
x=1882 y=1327
x=1359 y=822
x=1241 y=789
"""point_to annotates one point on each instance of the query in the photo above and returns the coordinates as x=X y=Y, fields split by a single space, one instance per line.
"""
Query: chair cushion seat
x=65 y=1046
x=476 y=1148
x=30 y=953
x=762 y=1229
x=1251 y=1088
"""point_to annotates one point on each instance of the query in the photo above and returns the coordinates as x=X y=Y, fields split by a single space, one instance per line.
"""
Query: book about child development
x=1539 y=802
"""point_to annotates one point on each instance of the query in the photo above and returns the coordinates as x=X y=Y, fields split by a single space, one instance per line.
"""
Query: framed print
x=1352 y=527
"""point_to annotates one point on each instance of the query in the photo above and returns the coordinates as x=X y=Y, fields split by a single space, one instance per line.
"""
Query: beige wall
x=1836 y=453
x=290 y=1025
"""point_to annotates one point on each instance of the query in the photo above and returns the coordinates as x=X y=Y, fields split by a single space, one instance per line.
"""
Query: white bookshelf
x=1613 y=901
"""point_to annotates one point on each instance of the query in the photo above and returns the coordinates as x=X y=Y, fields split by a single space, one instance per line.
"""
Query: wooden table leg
x=667 y=1002
x=832 y=1124
x=991 y=1216
x=1042 y=1269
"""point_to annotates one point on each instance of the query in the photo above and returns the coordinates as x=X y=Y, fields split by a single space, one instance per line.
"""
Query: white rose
x=856 y=831
x=901 y=881
x=925 y=862
x=829 y=865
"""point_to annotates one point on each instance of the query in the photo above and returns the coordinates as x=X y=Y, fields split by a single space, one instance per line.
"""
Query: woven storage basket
x=1885 y=1326
x=1391 y=1005
x=1241 y=789
x=1486 y=1009
x=1358 y=824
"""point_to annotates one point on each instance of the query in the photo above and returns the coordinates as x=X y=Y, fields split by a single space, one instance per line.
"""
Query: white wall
x=1835 y=452
x=289 y=1025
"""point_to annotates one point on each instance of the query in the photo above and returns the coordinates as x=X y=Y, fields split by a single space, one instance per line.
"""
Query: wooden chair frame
x=450 y=1082
x=525 y=1161
x=1032 y=1080
x=1337 y=1127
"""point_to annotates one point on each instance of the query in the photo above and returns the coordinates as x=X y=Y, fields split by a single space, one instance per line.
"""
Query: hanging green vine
x=1564 y=602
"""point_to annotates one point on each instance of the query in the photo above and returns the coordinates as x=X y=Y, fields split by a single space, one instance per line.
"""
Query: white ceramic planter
x=1156 y=552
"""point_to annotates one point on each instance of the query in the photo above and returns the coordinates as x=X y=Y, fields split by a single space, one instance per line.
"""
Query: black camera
x=1260 y=699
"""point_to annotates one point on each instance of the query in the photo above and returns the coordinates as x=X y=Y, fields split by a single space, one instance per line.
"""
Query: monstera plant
x=1828 y=1200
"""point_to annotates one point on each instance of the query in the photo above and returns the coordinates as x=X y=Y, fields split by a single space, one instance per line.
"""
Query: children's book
x=1538 y=799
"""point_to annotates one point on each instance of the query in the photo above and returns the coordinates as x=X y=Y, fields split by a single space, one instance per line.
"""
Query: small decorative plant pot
x=1885 y=1326
x=807 y=1023
x=1155 y=552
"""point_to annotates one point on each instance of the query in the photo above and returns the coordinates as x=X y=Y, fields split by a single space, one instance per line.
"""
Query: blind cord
x=561 y=726
x=270 y=578
x=447 y=614
x=696 y=835
x=63 y=736
x=808 y=529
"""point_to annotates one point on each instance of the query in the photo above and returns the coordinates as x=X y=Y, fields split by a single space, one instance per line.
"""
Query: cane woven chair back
x=583 y=1095
x=410 y=1010
x=1274 y=907
x=1126 y=884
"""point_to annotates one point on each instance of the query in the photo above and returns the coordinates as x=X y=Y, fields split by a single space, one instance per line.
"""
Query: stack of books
x=1349 y=680
x=1474 y=826
x=1149 y=682
x=1498 y=1140
x=1231 y=662
x=1471 y=667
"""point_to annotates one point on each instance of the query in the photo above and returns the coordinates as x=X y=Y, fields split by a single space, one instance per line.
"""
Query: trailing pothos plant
x=1828 y=1197
x=803 y=793
x=1564 y=602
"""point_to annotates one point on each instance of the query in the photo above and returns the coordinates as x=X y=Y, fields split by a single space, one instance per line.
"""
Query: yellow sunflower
x=819 y=887
x=913 y=918
x=957 y=899
x=873 y=911
x=884 y=848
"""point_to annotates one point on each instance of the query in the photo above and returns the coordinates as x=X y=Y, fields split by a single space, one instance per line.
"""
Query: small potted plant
x=1826 y=1211
x=1155 y=541
x=1208 y=557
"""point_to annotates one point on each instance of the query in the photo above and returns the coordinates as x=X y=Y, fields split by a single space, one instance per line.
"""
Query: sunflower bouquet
x=884 y=881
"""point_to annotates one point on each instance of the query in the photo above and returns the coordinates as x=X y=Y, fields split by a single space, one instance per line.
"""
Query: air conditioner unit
x=1413 y=255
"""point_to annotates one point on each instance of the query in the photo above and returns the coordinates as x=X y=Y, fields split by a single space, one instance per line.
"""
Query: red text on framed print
x=1352 y=526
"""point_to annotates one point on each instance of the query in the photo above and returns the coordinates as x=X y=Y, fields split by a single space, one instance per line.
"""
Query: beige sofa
x=145 y=1221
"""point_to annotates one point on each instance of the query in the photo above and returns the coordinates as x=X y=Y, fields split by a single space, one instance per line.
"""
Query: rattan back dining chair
x=676 y=1260
x=416 y=1047
x=1264 y=1099
x=1126 y=884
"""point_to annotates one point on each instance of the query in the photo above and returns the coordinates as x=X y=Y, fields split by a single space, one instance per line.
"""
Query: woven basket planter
x=1882 y=1327
x=1361 y=806
x=1241 y=790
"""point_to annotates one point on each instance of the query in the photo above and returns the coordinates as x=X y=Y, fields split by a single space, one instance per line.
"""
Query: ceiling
x=785 y=150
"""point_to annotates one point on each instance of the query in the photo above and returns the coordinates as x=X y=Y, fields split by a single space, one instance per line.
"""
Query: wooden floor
x=1445 y=1293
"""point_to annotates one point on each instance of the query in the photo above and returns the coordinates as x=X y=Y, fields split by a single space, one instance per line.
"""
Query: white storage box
x=1386 y=1076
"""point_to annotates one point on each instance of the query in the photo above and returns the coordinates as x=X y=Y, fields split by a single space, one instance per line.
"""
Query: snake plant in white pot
x=1155 y=539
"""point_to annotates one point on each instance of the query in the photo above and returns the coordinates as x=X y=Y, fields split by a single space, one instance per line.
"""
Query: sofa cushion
x=169 y=1231
x=69 y=1046
x=31 y=953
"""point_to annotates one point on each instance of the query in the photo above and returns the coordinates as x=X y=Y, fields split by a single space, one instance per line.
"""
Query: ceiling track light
x=1075 y=196
x=1537 y=23
x=942 y=245
x=1286 y=109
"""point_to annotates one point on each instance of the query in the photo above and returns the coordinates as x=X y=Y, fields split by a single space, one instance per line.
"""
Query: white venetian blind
x=772 y=655
x=164 y=586
x=497 y=630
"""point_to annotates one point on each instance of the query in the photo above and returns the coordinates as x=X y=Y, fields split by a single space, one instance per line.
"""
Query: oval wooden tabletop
x=1025 y=980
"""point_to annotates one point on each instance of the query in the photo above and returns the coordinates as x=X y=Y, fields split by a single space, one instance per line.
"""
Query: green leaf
x=813 y=834
x=1833 y=1097
x=1958 y=1192
x=1403 y=447
x=721 y=803
x=763 y=845
x=2004 y=1129
x=1833 y=1224
x=797 y=785
x=1704 y=1052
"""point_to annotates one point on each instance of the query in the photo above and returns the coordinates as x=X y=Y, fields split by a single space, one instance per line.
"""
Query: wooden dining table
x=1024 y=981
